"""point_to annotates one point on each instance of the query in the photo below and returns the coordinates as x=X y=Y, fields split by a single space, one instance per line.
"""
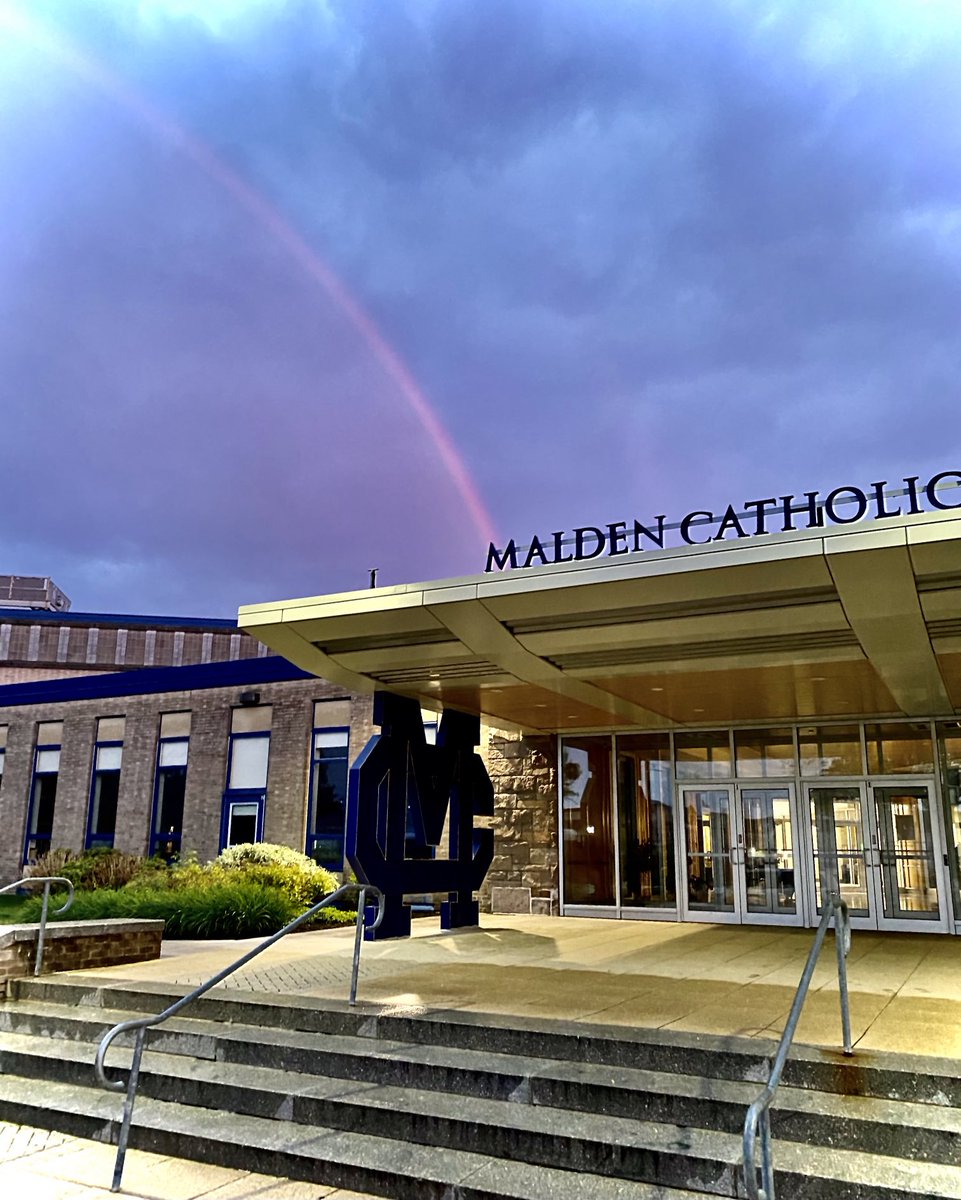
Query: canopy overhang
x=828 y=623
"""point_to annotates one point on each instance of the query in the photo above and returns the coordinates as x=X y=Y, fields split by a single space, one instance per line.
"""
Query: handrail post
x=358 y=937
x=842 y=940
x=757 y=1123
x=128 y=1104
x=38 y=965
x=142 y=1024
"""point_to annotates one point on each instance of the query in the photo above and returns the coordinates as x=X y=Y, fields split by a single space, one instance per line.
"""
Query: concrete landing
x=717 y=979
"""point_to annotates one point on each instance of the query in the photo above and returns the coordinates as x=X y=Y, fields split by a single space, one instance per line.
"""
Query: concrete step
x=921 y=1132
x=916 y=1078
x=324 y=1155
x=400 y=1169
x=312 y=1070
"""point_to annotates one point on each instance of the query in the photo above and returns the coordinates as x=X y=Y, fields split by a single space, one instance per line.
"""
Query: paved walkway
x=718 y=979
x=40 y=1165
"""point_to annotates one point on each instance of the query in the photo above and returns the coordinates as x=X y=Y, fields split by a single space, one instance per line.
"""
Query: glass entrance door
x=739 y=847
x=708 y=816
x=770 y=875
x=907 y=855
x=880 y=854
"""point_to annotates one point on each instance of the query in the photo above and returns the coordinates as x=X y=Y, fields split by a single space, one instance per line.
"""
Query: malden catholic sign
x=774 y=514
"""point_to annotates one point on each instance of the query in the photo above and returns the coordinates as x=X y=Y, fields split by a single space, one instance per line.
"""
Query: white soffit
x=846 y=593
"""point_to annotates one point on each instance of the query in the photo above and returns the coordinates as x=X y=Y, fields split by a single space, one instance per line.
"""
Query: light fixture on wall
x=249 y=698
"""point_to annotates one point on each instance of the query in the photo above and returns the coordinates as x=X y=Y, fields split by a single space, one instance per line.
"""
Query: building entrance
x=740 y=858
x=878 y=846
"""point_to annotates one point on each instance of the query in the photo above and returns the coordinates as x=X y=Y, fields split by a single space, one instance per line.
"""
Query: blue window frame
x=43 y=798
x=170 y=787
x=241 y=818
x=104 y=794
x=242 y=811
x=327 y=802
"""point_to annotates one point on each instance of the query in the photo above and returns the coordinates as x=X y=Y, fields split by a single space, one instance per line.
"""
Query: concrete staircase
x=454 y=1106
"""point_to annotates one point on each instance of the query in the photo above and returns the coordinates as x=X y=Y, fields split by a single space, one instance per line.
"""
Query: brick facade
x=291 y=702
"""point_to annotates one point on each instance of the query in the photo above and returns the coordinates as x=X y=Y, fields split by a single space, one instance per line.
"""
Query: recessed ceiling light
x=699 y=710
x=540 y=704
x=818 y=678
x=657 y=689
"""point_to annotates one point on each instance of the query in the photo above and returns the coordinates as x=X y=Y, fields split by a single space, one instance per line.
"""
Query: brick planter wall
x=77 y=945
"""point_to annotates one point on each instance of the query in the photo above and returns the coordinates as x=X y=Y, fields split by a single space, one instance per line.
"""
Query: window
x=830 y=750
x=242 y=813
x=105 y=788
x=328 y=797
x=3 y=748
x=170 y=785
x=899 y=749
x=43 y=790
x=704 y=755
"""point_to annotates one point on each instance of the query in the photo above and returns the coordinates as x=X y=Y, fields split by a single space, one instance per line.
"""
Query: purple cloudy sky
x=637 y=257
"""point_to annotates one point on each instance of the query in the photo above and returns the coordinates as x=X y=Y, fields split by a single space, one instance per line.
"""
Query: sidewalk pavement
x=41 y=1165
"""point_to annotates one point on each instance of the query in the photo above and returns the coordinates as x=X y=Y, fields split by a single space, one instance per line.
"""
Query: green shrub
x=239 y=909
x=249 y=891
x=100 y=867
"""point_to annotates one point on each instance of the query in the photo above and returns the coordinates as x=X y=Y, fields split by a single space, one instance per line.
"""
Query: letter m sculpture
x=397 y=805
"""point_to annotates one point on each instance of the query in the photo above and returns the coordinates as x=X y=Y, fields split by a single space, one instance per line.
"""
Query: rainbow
x=257 y=206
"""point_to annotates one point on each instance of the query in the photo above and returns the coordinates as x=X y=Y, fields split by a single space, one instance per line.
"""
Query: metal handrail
x=757 y=1123
x=46 y=880
x=142 y=1024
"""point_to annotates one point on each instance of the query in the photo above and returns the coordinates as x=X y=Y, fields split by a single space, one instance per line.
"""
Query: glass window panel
x=830 y=750
x=4 y=729
x=109 y=758
x=110 y=729
x=255 y=719
x=3 y=755
x=103 y=814
x=175 y=725
x=174 y=754
x=764 y=753
x=48 y=761
x=242 y=825
x=50 y=733
x=900 y=749
x=331 y=739
x=42 y=805
x=703 y=755
x=171 y=788
x=588 y=828
x=248 y=762
x=645 y=797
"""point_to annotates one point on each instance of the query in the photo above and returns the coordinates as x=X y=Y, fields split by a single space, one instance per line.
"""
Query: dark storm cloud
x=637 y=255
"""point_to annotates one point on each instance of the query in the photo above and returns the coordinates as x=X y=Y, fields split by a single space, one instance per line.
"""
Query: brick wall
x=289 y=763
x=77 y=946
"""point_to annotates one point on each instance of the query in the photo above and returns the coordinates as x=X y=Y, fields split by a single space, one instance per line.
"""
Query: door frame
x=943 y=922
x=876 y=920
x=738 y=859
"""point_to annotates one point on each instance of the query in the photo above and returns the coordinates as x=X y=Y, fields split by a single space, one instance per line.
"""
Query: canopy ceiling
x=852 y=621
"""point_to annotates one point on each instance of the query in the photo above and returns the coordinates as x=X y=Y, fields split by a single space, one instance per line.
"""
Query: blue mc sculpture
x=398 y=799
